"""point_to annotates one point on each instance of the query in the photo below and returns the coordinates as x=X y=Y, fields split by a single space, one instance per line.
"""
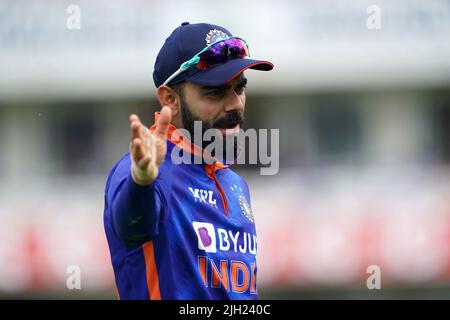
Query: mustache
x=229 y=120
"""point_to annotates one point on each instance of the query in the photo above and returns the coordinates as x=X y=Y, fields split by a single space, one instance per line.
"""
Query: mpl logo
x=206 y=236
x=205 y=196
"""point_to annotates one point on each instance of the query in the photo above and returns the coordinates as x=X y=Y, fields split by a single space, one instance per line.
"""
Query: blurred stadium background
x=364 y=119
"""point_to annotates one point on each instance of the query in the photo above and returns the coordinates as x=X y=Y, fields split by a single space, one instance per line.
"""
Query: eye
x=240 y=88
x=215 y=93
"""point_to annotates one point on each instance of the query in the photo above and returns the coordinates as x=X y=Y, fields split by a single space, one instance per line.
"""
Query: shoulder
x=119 y=171
x=122 y=168
x=238 y=179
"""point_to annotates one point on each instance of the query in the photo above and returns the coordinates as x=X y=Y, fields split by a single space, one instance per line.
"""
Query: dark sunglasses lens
x=221 y=52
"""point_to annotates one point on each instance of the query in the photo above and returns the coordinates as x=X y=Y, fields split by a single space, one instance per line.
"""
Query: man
x=185 y=230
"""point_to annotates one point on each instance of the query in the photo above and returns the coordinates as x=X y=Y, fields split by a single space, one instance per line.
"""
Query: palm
x=148 y=149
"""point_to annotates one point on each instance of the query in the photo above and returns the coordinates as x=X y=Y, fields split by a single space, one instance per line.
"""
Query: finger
x=162 y=125
x=152 y=148
x=134 y=117
x=137 y=150
x=135 y=130
x=135 y=124
x=143 y=163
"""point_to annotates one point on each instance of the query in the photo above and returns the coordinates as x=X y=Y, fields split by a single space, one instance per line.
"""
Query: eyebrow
x=241 y=83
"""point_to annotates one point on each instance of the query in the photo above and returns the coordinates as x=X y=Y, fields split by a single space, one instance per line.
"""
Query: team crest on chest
x=245 y=208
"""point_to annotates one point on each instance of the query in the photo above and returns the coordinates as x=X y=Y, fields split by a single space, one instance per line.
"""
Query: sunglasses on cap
x=215 y=53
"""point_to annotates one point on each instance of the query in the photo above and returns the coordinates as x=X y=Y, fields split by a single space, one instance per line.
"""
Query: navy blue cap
x=189 y=39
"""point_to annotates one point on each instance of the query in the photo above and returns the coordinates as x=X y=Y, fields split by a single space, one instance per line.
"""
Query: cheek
x=212 y=112
x=204 y=109
x=243 y=99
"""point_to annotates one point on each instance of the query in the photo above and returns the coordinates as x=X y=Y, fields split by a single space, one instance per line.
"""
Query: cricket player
x=185 y=230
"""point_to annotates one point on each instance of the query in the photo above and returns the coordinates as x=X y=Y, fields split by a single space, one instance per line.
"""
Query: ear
x=168 y=97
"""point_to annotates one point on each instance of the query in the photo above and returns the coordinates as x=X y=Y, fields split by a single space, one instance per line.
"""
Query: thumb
x=163 y=122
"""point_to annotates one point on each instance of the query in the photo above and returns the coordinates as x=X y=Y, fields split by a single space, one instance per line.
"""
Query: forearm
x=135 y=212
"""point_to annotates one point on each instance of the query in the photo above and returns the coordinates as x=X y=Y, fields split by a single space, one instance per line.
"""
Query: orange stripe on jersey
x=118 y=294
x=151 y=271
x=178 y=138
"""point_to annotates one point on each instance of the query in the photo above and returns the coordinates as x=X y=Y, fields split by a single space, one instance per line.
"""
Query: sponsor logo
x=206 y=236
x=203 y=196
x=211 y=239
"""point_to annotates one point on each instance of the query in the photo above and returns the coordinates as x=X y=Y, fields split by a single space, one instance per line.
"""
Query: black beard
x=188 y=119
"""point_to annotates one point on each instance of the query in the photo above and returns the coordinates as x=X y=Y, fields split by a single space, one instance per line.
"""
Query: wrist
x=143 y=177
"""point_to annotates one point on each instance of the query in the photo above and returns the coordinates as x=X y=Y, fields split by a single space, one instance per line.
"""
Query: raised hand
x=147 y=149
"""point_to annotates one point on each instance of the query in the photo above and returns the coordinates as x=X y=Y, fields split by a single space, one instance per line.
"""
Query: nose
x=234 y=101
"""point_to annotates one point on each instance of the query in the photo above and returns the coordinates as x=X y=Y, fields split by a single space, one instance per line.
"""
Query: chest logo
x=245 y=208
x=206 y=236
x=203 y=196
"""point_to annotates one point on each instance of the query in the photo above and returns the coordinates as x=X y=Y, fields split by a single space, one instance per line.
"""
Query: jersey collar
x=179 y=139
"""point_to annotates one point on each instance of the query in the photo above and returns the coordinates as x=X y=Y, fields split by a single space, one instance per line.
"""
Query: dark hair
x=178 y=88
